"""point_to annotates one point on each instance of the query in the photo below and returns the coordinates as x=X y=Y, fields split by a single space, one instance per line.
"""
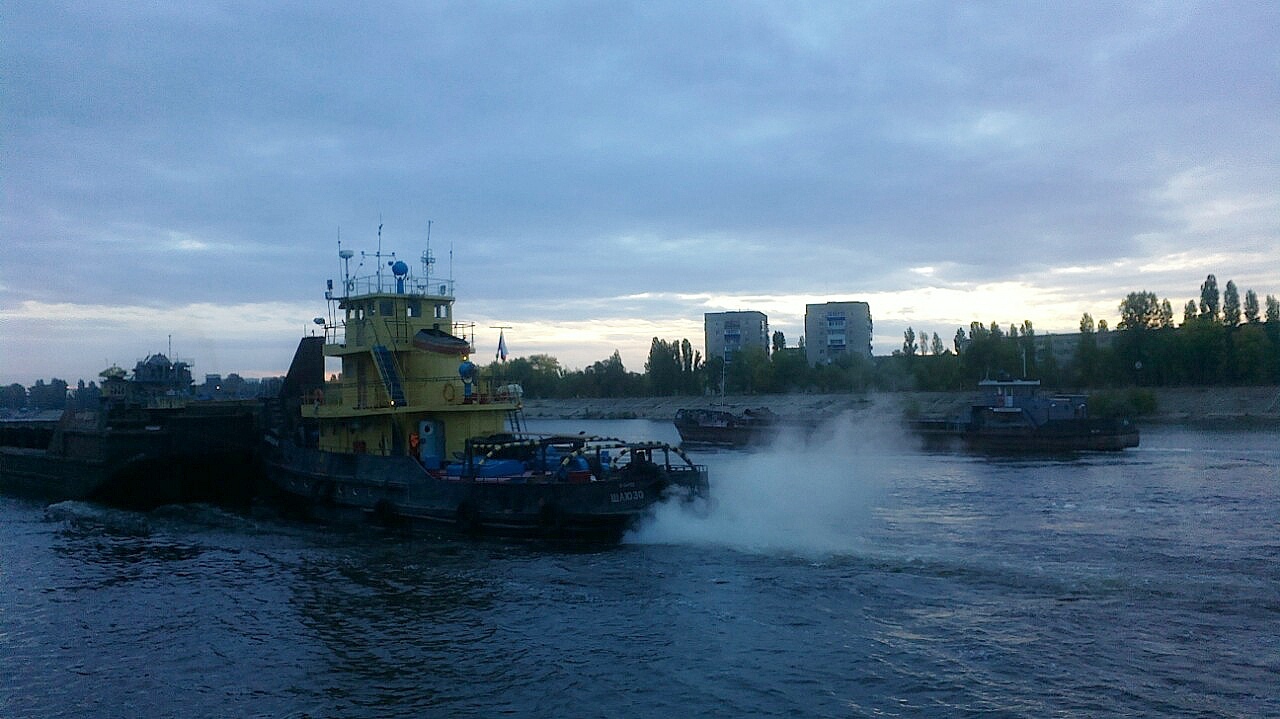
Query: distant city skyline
x=599 y=175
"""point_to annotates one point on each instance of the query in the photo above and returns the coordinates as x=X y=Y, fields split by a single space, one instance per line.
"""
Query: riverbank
x=1208 y=406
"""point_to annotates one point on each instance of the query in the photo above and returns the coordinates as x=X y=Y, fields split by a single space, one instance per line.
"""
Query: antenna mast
x=379 y=255
x=427 y=259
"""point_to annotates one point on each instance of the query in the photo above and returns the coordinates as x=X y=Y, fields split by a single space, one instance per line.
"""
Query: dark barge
x=140 y=448
x=1013 y=416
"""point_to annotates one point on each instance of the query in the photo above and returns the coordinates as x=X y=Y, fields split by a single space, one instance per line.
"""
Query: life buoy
x=449 y=392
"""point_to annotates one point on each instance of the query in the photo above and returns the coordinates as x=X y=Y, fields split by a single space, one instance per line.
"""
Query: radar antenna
x=378 y=256
x=427 y=260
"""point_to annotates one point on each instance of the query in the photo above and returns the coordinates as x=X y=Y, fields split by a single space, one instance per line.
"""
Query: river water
x=846 y=576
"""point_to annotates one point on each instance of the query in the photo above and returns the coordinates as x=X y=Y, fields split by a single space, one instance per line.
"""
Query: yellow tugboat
x=407 y=433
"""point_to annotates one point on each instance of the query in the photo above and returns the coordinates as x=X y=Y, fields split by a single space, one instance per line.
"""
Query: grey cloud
x=746 y=145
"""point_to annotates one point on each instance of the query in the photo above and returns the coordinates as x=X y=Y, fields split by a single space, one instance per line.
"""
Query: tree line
x=58 y=395
x=1222 y=339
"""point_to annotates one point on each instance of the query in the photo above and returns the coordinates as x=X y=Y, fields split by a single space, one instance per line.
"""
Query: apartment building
x=727 y=333
x=832 y=329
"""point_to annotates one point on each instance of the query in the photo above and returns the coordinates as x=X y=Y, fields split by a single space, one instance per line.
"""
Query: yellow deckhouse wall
x=356 y=411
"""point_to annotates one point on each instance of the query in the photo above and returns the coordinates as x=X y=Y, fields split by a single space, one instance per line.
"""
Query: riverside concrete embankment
x=1211 y=406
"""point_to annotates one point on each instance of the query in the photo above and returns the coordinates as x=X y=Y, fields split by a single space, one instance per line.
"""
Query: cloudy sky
x=606 y=172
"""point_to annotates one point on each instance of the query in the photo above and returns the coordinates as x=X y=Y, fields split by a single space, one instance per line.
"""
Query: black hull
x=204 y=455
x=725 y=436
x=397 y=491
x=37 y=474
x=140 y=481
x=725 y=429
x=1083 y=436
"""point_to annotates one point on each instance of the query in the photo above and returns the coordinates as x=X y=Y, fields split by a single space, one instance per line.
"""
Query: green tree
x=715 y=375
x=1272 y=329
x=1202 y=350
x=1027 y=341
x=1140 y=310
x=50 y=396
x=1251 y=308
x=989 y=353
x=790 y=370
x=1047 y=368
x=909 y=346
x=85 y=396
x=673 y=368
x=235 y=386
x=609 y=378
x=779 y=341
x=1086 y=361
x=662 y=369
x=1231 y=305
x=691 y=368
x=1189 y=312
x=15 y=397
x=937 y=346
x=1253 y=351
x=539 y=375
x=1139 y=319
x=1209 y=298
x=749 y=372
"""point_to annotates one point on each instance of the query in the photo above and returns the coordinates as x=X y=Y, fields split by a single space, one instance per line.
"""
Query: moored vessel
x=1013 y=416
x=408 y=432
x=746 y=428
x=724 y=428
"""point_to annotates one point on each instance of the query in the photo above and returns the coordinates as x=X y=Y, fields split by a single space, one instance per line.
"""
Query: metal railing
x=448 y=389
x=389 y=284
x=365 y=331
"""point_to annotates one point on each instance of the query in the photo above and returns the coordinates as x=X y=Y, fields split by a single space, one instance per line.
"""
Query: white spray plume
x=800 y=495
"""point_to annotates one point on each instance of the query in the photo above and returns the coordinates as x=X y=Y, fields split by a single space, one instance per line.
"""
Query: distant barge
x=1013 y=416
x=748 y=428
x=723 y=428
x=147 y=444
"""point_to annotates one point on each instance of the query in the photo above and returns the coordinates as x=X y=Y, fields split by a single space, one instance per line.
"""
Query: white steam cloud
x=801 y=495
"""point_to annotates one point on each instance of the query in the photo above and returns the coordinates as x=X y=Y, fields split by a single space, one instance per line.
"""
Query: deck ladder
x=390 y=374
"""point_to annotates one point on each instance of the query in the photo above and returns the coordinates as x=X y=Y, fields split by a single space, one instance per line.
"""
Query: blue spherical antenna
x=399 y=268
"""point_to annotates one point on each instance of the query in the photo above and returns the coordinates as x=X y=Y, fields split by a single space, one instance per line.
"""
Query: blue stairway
x=390 y=374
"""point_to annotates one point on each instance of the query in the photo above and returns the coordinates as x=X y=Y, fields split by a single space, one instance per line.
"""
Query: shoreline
x=1251 y=407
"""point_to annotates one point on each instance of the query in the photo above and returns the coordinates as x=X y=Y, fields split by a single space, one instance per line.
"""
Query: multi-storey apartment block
x=727 y=333
x=836 y=328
